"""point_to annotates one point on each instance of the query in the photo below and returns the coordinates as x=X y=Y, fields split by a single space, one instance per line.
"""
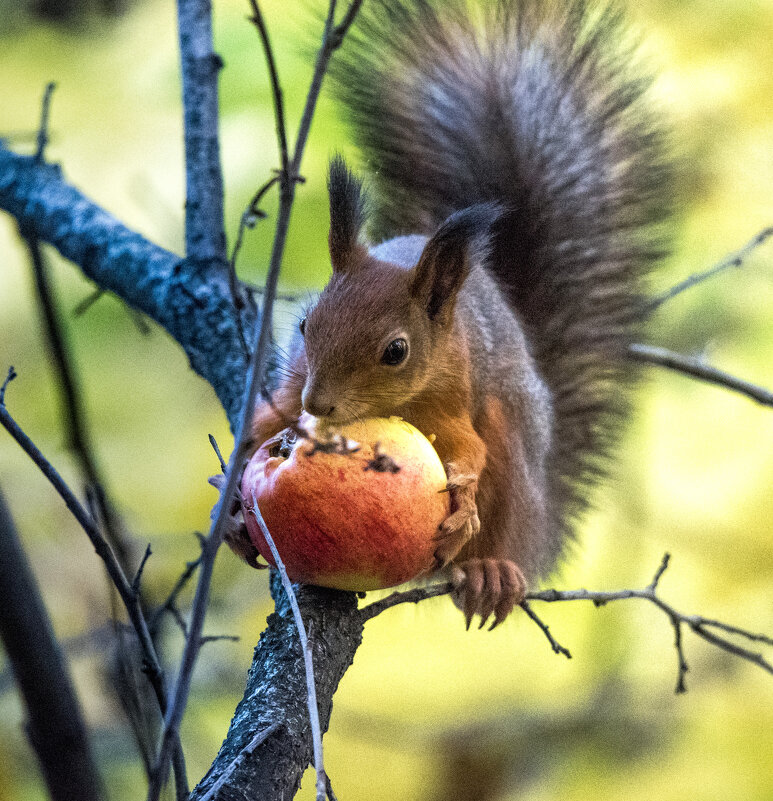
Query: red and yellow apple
x=361 y=520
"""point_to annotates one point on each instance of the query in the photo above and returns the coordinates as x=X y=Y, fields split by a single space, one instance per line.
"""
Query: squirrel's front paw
x=462 y=524
x=485 y=587
x=235 y=532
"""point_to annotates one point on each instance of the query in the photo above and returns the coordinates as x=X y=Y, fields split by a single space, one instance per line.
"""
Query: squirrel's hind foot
x=487 y=587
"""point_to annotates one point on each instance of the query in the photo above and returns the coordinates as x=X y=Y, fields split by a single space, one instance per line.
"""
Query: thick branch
x=204 y=232
x=276 y=693
x=191 y=301
x=56 y=728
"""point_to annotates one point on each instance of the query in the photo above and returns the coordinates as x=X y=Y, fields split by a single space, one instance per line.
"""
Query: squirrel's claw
x=457 y=529
x=463 y=523
x=487 y=586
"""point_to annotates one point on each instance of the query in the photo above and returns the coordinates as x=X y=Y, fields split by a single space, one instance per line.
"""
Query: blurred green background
x=427 y=711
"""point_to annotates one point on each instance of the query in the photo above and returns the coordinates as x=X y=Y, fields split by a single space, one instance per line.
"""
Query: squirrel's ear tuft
x=347 y=215
x=462 y=240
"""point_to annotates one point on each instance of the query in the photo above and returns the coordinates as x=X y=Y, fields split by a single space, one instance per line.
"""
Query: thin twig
x=733 y=260
x=42 y=139
x=276 y=89
x=650 y=354
x=72 y=407
x=702 y=626
x=84 y=305
x=129 y=598
x=9 y=377
x=216 y=449
x=220 y=638
x=247 y=751
x=140 y=569
x=554 y=644
x=311 y=690
x=169 y=604
x=288 y=297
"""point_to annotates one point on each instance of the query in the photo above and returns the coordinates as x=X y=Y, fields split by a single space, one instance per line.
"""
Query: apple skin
x=336 y=524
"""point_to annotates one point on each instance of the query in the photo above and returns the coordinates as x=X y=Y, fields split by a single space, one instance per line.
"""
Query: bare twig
x=216 y=449
x=9 y=377
x=42 y=139
x=140 y=569
x=84 y=305
x=71 y=401
x=702 y=626
x=733 y=260
x=554 y=644
x=247 y=751
x=276 y=89
x=697 y=369
x=169 y=605
x=129 y=598
x=311 y=689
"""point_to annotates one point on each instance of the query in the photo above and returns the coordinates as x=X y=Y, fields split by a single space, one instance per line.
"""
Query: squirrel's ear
x=347 y=214
x=462 y=240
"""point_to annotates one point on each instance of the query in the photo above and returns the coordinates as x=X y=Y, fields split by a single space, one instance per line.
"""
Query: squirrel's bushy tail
x=534 y=104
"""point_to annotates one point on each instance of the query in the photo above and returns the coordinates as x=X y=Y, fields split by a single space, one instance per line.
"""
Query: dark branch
x=129 y=598
x=42 y=140
x=733 y=260
x=72 y=407
x=55 y=725
x=554 y=644
x=661 y=357
x=204 y=232
x=308 y=661
x=276 y=693
x=190 y=300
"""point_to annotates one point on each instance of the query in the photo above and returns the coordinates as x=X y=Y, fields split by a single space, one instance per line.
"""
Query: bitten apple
x=361 y=520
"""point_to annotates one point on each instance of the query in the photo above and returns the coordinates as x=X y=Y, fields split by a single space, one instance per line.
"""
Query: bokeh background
x=427 y=711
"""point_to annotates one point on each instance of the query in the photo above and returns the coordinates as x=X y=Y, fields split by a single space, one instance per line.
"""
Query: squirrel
x=518 y=189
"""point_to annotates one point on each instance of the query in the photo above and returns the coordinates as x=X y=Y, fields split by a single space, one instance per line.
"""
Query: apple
x=358 y=520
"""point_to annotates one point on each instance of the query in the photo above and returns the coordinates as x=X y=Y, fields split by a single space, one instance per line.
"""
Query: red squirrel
x=518 y=188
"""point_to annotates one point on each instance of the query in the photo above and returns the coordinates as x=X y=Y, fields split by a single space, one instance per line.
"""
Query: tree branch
x=204 y=232
x=702 y=626
x=192 y=301
x=276 y=693
x=695 y=368
x=129 y=598
x=733 y=260
x=55 y=726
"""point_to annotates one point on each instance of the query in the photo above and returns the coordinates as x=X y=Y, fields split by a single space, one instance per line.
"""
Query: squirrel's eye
x=302 y=326
x=395 y=352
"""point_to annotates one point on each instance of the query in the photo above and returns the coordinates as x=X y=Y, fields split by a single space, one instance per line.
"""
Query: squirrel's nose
x=316 y=403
